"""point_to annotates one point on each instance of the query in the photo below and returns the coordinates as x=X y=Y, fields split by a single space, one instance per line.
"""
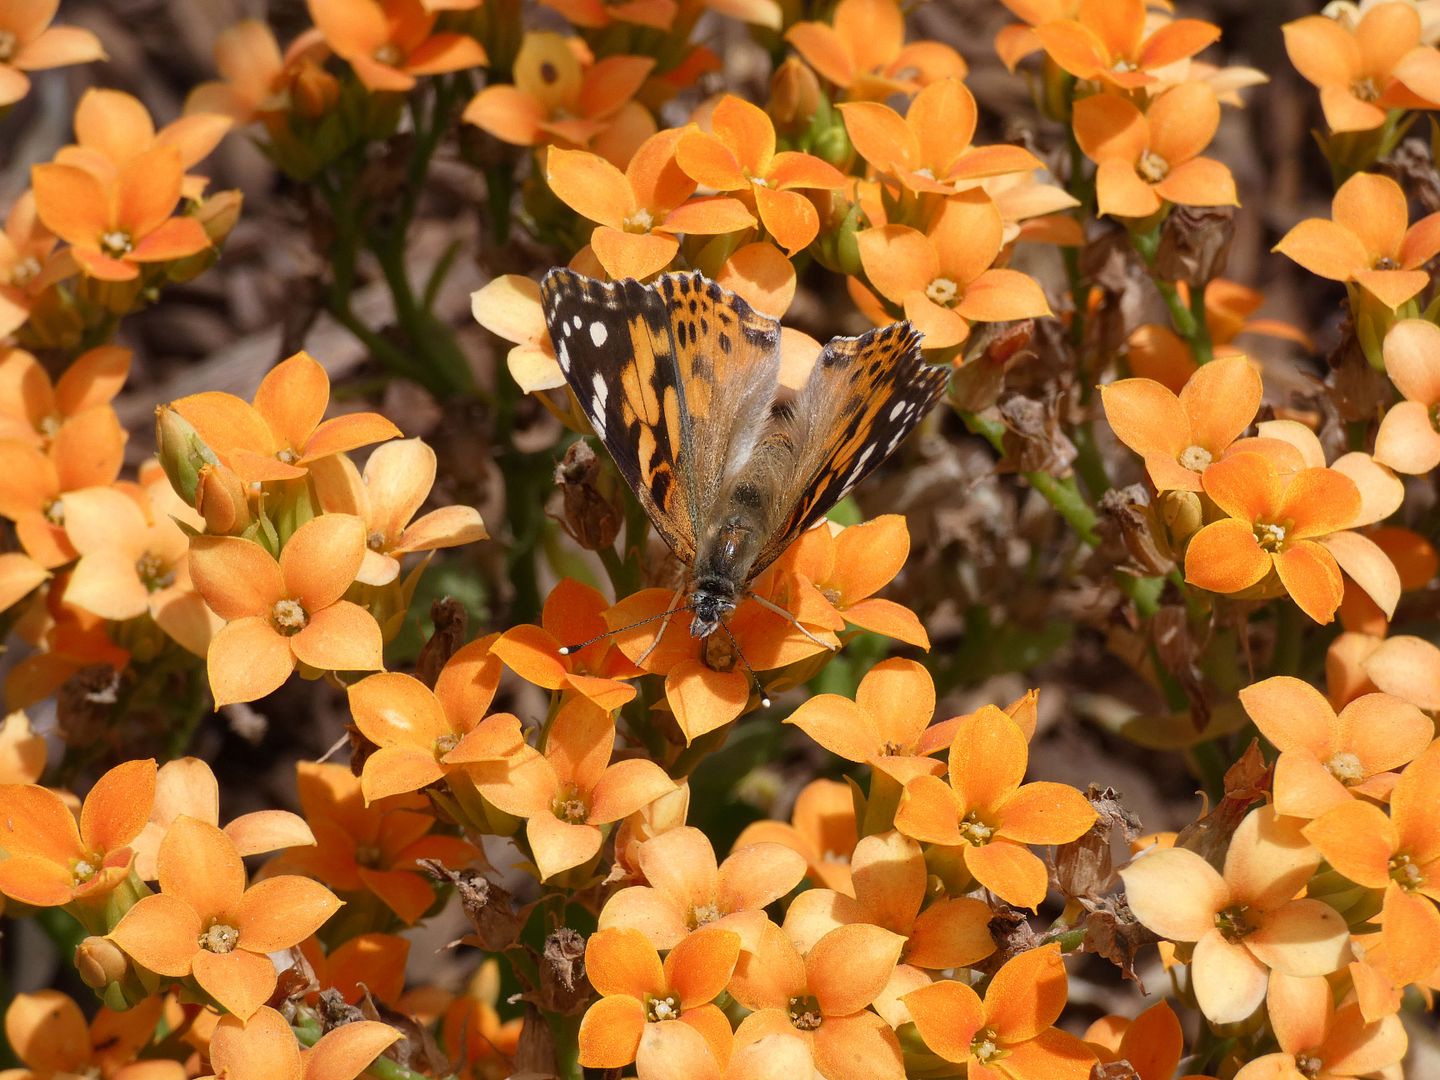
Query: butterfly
x=679 y=379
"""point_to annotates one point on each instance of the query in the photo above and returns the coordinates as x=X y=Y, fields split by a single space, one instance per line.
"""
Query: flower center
x=389 y=54
x=116 y=243
x=666 y=1008
x=942 y=291
x=85 y=869
x=154 y=573
x=1365 y=89
x=54 y=512
x=220 y=938
x=638 y=222
x=1152 y=167
x=288 y=617
x=25 y=271
x=703 y=914
x=984 y=1047
x=975 y=831
x=288 y=456
x=1234 y=923
x=1405 y=873
x=1308 y=1065
x=925 y=171
x=1270 y=537
x=805 y=1014
x=1196 y=458
x=1385 y=262
x=368 y=855
x=375 y=541
x=569 y=806
x=445 y=743
x=9 y=45
x=1345 y=767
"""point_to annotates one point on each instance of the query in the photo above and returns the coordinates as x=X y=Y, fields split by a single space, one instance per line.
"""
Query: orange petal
x=320 y=560
x=71 y=203
x=118 y=806
x=704 y=700
x=929 y=812
x=637 y=255
x=898 y=260
x=1312 y=578
x=1182 y=122
x=1302 y=937
x=237 y=578
x=699 y=968
x=393 y=709
x=947 y=1015
x=627 y=786
x=880 y=135
x=950 y=933
x=247 y=660
x=988 y=758
x=558 y=845
x=590 y=186
x=1322 y=51
x=1229 y=982
x=1358 y=840
x=789 y=217
x=999 y=295
x=1012 y=872
x=610 y=1032
x=1293 y=715
x=1199 y=182
x=1325 y=248
x=1392 y=287
x=1108 y=127
x=710 y=162
x=348 y=432
x=345 y=1052
x=240 y=981
x=1412 y=360
x=1044 y=812
x=199 y=865
x=1367 y=566
x=1147 y=417
x=1027 y=994
x=1121 y=193
x=281 y=911
x=342 y=637
x=161 y=933
x=623 y=962
x=1175 y=893
x=1373 y=208
x=848 y=967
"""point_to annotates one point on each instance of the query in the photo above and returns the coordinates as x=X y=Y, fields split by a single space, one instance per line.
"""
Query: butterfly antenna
x=571 y=650
x=759 y=686
x=790 y=617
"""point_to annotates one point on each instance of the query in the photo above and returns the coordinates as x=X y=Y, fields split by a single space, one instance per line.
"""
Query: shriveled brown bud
x=1112 y=931
x=489 y=908
x=1195 y=244
x=794 y=96
x=221 y=500
x=1246 y=783
x=976 y=384
x=589 y=515
x=1034 y=440
x=563 y=986
x=1114 y=1070
x=1130 y=520
x=449 y=618
x=100 y=962
x=1085 y=867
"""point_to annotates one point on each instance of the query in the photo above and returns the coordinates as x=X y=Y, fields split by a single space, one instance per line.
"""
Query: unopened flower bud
x=1195 y=244
x=218 y=214
x=794 y=96
x=221 y=500
x=1182 y=514
x=100 y=962
x=313 y=90
x=181 y=451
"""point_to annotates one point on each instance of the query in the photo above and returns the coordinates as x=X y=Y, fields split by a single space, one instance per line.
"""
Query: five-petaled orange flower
x=204 y=922
x=52 y=859
x=264 y=1047
x=686 y=891
x=49 y=1035
x=738 y=154
x=1408 y=441
x=929 y=149
x=640 y=212
x=275 y=436
x=1273 y=523
x=1369 y=240
x=1360 y=68
x=391 y=42
x=1244 y=922
x=865 y=54
x=26 y=246
x=1106 y=40
x=35 y=409
x=1009 y=1034
x=29 y=43
x=1181 y=436
x=988 y=812
x=1321 y=1040
x=1153 y=1043
x=822 y=829
x=1148 y=159
x=116 y=228
x=257 y=81
x=572 y=789
x=823 y=996
x=639 y=994
x=1327 y=759
x=282 y=612
x=945 y=280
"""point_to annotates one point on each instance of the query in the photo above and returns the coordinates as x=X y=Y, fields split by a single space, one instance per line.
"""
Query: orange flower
x=1180 y=437
x=1368 y=241
x=280 y=613
x=262 y=1047
x=397 y=481
x=1107 y=41
x=509 y=307
x=988 y=812
x=371 y=964
x=390 y=42
x=1011 y=1027
x=52 y=861
x=25 y=254
x=1272 y=524
x=282 y=430
x=1152 y=1043
x=686 y=891
x=22 y=751
x=1407 y=440
x=1325 y=760
x=34 y=409
x=1154 y=351
x=29 y=43
x=362 y=847
x=473 y=1032
x=864 y=52
x=257 y=81
x=558 y=96
x=573 y=613
x=1355 y=65
x=205 y=923
x=824 y=997
x=640 y=211
x=738 y=154
x=883 y=726
x=115 y=228
x=891 y=885
x=639 y=995
x=945 y=280
x=567 y=793
x=49 y=1035
x=929 y=148
x=1244 y=922
x=822 y=829
x=1148 y=159
x=1319 y=1040
x=416 y=728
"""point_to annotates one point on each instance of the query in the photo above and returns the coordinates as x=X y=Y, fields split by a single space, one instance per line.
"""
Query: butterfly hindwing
x=864 y=395
x=617 y=352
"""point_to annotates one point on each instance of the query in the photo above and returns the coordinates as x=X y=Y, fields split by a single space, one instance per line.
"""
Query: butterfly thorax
x=724 y=557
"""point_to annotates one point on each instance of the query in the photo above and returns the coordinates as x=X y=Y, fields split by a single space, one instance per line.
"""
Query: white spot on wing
x=577 y=321
x=598 y=333
x=563 y=355
x=897 y=409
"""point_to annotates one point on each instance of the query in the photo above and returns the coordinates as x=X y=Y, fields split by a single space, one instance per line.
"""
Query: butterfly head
x=709 y=607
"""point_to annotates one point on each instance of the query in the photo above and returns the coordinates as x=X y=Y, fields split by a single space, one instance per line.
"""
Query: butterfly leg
x=671 y=609
x=768 y=606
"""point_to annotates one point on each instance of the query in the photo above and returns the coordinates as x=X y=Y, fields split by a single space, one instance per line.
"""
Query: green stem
x=1200 y=344
x=1063 y=495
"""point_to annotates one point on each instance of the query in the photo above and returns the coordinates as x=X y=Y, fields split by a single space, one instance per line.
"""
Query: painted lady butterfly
x=679 y=380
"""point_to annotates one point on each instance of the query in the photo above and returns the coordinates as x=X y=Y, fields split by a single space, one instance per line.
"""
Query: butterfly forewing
x=864 y=395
